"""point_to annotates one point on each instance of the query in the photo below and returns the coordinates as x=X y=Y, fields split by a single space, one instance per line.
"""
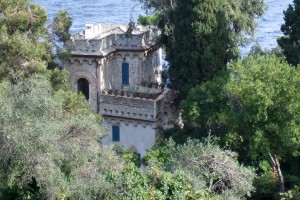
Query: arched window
x=83 y=87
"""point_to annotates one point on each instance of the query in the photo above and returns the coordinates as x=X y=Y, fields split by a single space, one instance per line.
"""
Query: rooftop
x=103 y=39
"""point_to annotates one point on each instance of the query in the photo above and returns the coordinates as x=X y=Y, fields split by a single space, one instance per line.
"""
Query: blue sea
x=121 y=11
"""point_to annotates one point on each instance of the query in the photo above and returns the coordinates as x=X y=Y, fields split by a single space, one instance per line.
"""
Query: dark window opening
x=83 y=87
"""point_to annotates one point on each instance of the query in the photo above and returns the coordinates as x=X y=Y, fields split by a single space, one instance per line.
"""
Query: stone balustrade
x=136 y=108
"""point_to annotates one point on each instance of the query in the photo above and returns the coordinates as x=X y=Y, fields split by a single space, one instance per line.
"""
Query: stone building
x=111 y=68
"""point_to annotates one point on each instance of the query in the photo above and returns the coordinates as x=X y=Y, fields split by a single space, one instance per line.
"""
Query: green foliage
x=59 y=79
x=266 y=182
x=62 y=24
x=40 y=140
x=252 y=103
x=257 y=50
x=159 y=154
x=211 y=172
x=21 y=29
x=25 y=42
x=148 y=20
x=293 y=194
x=291 y=30
x=253 y=107
x=200 y=37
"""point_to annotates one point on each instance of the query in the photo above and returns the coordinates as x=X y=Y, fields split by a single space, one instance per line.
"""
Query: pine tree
x=291 y=30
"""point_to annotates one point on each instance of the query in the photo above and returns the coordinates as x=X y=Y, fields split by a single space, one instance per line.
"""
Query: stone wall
x=88 y=69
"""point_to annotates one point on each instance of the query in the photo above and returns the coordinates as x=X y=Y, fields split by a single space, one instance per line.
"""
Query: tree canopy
x=40 y=141
x=255 y=98
x=253 y=106
x=25 y=41
x=291 y=30
x=212 y=172
x=200 y=37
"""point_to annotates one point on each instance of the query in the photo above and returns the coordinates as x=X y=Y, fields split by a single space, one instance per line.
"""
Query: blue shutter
x=115 y=133
x=125 y=74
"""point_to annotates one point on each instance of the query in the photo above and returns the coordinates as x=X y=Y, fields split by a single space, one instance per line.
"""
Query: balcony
x=137 y=106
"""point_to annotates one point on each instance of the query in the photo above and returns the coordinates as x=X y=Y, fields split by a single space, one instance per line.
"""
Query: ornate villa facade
x=120 y=75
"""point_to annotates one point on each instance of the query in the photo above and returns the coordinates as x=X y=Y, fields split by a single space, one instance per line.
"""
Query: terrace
x=145 y=104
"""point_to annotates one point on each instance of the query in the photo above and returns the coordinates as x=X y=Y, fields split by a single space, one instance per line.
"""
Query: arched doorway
x=83 y=87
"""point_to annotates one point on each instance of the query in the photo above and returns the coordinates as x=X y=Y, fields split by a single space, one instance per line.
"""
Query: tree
x=24 y=39
x=43 y=145
x=201 y=37
x=254 y=107
x=212 y=172
x=22 y=53
x=291 y=30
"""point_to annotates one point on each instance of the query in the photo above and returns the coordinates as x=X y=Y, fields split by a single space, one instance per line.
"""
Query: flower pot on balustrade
x=104 y=91
x=137 y=95
x=109 y=92
x=116 y=92
x=122 y=93
x=141 y=95
x=153 y=96
x=155 y=85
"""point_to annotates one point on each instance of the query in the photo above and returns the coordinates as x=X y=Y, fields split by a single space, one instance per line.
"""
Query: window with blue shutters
x=125 y=74
x=115 y=133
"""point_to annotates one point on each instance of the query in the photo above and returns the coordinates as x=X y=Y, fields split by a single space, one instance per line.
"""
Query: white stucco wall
x=137 y=137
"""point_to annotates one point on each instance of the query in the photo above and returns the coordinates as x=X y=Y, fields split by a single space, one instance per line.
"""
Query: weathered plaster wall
x=137 y=137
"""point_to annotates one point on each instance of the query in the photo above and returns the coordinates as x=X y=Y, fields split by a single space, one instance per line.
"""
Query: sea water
x=122 y=11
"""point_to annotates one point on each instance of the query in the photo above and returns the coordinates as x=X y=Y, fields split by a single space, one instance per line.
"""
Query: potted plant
x=144 y=83
x=116 y=92
x=155 y=85
x=104 y=91
x=109 y=91
x=141 y=95
x=136 y=95
x=153 y=96
x=122 y=92
x=150 y=85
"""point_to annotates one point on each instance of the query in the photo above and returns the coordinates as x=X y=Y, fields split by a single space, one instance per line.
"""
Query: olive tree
x=44 y=145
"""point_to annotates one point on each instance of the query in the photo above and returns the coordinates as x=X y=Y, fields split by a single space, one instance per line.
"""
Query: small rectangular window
x=115 y=133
